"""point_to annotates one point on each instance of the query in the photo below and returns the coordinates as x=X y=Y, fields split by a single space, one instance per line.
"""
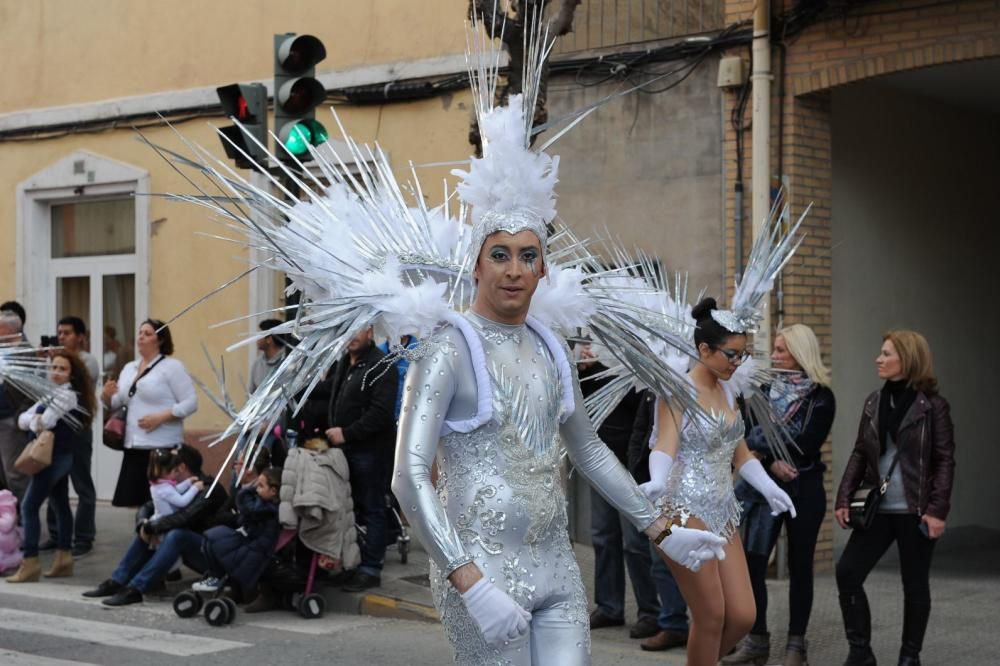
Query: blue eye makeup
x=498 y=254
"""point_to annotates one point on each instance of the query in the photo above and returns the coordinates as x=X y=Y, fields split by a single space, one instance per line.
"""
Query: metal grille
x=606 y=23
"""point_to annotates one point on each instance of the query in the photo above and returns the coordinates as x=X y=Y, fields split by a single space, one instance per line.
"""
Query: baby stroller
x=396 y=526
x=294 y=574
x=281 y=574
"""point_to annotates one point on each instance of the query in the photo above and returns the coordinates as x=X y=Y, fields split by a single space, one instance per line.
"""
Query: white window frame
x=81 y=176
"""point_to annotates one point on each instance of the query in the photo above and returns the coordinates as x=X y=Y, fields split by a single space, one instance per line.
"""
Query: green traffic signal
x=305 y=133
x=298 y=140
x=318 y=133
x=297 y=93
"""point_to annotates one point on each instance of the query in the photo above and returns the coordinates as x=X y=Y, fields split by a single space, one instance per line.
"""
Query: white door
x=92 y=275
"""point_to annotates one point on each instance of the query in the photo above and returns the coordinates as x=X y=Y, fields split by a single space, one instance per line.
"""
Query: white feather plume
x=510 y=176
x=561 y=302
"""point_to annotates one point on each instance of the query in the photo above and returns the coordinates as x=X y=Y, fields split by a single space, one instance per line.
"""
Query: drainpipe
x=760 y=184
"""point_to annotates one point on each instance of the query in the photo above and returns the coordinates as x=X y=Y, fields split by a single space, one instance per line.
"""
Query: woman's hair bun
x=704 y=308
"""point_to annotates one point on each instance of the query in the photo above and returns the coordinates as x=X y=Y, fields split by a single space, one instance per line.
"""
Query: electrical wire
x=632 y=66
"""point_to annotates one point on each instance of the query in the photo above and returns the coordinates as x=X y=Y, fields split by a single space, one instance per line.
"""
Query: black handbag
x=865 y=500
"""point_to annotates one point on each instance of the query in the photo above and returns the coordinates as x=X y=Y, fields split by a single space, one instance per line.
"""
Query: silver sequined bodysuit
x=701 y=479
x=499 y=500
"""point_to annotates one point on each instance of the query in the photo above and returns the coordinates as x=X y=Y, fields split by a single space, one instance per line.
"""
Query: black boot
x=858 y=627
x=915 y=616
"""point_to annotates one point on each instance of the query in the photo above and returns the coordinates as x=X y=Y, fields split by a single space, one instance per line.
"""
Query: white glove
x=691 y=548
x=499 y=617
x=777 y=498
x=659 y=471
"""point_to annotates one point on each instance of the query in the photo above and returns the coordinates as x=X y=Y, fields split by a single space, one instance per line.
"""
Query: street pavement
x=50 y=624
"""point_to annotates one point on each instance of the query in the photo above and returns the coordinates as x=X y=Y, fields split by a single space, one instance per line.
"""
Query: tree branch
x=513 y=27
x=562 y=23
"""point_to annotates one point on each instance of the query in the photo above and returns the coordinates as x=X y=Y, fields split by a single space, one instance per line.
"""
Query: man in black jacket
x=672 y=620
x=179 y=534
x=617 y=543
x=12 y=402
x=362 y=423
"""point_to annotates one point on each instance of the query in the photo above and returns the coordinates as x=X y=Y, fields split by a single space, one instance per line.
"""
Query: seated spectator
x=168 y=491
x=240 y=555
x=143 y=567
x=227 y=514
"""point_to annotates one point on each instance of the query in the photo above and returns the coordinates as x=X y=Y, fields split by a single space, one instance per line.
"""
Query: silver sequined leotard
x=499 y=499
x=701 y=479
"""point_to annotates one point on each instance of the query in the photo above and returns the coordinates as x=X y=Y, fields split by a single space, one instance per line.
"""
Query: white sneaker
x=207 y=584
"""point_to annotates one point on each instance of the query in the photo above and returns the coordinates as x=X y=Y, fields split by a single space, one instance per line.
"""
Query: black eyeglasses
x=733 y=355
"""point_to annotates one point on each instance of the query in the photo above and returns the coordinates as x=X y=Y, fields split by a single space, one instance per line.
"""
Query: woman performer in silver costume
x=691 y=476
x=504 y=576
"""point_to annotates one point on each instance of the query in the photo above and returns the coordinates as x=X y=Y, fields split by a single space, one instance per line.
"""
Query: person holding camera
x=905 y=450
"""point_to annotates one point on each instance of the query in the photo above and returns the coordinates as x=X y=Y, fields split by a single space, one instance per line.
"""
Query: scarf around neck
x=788 y=390
x=894 y=402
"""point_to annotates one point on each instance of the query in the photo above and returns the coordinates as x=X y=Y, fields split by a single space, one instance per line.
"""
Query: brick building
x=884 y=117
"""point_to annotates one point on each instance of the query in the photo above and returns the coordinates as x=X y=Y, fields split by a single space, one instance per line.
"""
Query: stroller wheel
x=188 y=603
x=312 y=606
x=217 y=613
x=404 y=549
x=231 y=605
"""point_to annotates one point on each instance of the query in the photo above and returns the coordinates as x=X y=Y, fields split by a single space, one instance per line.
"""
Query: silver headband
x=735 y=323
x=511 y=221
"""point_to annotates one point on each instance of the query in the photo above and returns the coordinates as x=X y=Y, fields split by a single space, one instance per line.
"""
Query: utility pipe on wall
x=760 y=183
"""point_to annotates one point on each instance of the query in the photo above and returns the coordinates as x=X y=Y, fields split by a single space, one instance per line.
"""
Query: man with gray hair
x=12 y=403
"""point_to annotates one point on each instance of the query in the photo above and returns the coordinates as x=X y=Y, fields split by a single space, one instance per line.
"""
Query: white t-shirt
x=166 y=386
x=91 y=364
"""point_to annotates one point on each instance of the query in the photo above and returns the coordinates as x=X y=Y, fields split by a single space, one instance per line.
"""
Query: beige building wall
x=72 y=59
x=65 y=52
x=70 y=53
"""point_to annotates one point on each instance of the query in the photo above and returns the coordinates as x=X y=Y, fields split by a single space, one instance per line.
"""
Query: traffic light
x=297 y=94
x=246 y=103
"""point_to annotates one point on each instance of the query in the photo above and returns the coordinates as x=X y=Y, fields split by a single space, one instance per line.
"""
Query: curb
x=379 y=605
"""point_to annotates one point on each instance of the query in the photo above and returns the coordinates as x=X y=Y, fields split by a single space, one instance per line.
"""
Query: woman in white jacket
x=158 y=394
x=65 y=413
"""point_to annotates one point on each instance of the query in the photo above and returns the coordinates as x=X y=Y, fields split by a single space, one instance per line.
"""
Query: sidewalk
x=965 y=586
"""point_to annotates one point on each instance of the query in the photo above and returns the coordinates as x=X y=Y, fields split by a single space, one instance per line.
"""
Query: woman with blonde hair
x=800 y=396
x=906 y=447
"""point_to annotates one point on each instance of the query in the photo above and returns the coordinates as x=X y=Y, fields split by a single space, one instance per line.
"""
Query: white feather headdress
x=511 y=187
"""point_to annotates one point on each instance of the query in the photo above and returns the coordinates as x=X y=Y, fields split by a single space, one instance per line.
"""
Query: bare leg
x=740 y=607
x=720 y=600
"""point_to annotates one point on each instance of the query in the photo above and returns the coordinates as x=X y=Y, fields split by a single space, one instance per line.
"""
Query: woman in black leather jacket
x=909 y=422
x=801 y=396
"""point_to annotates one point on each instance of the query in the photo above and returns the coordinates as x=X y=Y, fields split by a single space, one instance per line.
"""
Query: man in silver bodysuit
x=494 y=402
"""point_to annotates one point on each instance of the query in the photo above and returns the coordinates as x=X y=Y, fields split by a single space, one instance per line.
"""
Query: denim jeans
x=85 y=524
x=49 y=483
x=673 y=610
x=141 y=567
x=368 y=489
x=617 y=545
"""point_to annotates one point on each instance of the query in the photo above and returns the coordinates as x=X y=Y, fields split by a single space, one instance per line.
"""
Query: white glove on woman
x=777 y=498
x=659 y=471
x=691 y=548
x=499 y=617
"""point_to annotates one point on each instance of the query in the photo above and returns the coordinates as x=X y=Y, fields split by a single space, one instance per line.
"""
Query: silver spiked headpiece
x=511 y=187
